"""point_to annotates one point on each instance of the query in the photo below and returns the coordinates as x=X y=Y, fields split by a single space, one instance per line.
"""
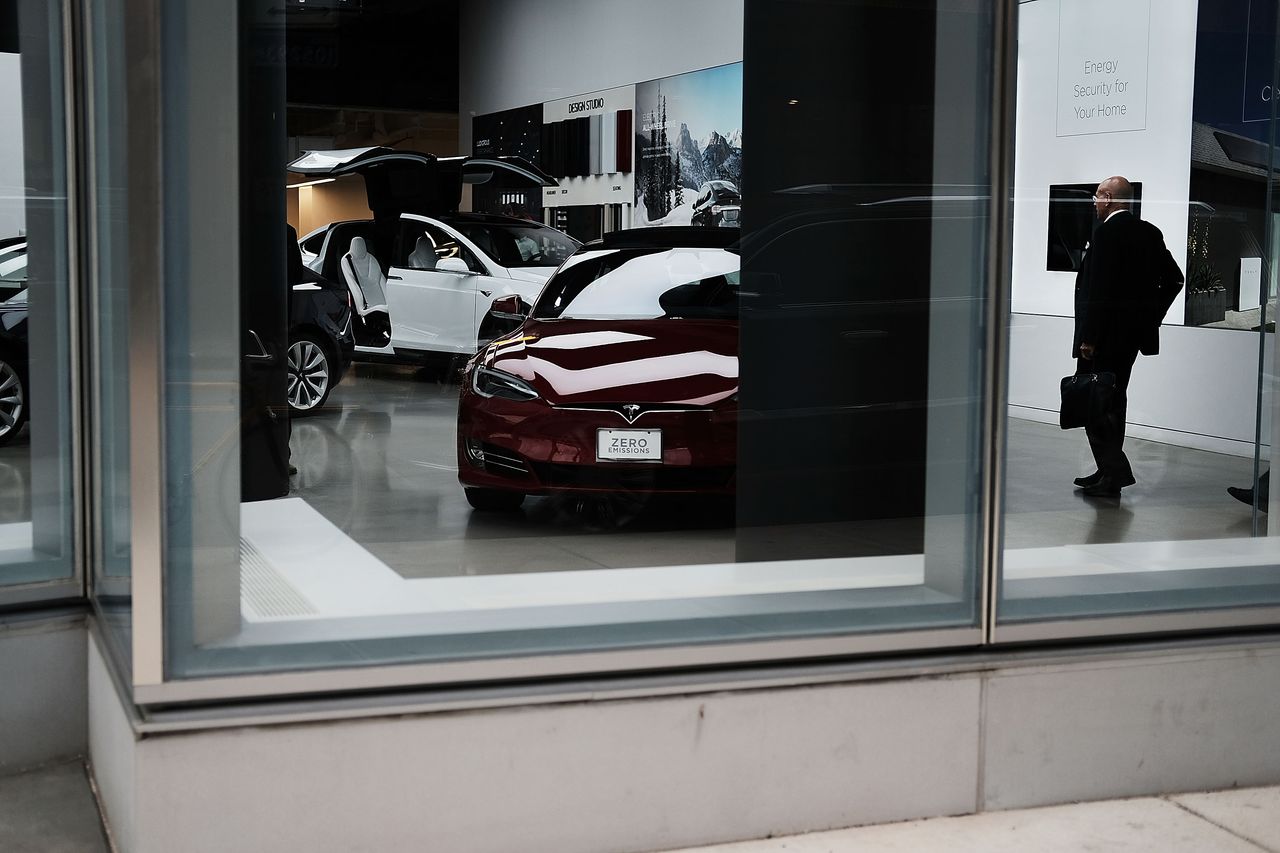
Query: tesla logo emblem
x=631 y=411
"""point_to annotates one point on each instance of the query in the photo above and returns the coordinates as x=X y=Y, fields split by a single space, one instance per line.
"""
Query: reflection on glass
x=1176 y=539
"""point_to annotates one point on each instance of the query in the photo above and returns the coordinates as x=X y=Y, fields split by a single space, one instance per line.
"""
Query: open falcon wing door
x=512 y=172
x=398 y=182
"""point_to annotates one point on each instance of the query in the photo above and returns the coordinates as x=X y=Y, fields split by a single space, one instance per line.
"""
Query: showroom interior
x=623 y=425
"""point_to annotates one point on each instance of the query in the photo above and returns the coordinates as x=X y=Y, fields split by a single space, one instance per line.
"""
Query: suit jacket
x=1126 y=283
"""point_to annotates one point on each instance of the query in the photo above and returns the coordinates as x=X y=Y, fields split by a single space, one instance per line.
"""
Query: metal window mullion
x=146 y=336
x=79 y=317
x=90 y=424
x=1004 y=73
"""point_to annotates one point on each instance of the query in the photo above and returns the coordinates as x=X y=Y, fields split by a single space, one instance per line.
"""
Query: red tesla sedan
x=623 y=376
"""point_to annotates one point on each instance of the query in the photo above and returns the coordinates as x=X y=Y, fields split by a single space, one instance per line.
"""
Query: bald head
x=1113 y=194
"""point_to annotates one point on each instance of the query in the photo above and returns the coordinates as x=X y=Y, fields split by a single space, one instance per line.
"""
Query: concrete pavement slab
x=49 y=810
x=1251 y=812
x=1145 y=825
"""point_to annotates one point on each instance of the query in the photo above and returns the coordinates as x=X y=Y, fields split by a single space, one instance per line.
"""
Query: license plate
x=628 y=445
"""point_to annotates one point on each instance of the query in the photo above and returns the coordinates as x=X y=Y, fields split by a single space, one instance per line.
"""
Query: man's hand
x=1086 y=351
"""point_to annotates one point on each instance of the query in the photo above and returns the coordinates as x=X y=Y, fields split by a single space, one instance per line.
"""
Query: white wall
x=515 y=52
x=13 y=215
x=1201 y=391
x=1159 y=156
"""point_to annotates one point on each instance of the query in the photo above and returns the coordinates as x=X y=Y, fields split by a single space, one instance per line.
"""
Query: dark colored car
x=718 y=204
x=623 y=377
x=320 y=342
x=13 y=366
x=320 y=336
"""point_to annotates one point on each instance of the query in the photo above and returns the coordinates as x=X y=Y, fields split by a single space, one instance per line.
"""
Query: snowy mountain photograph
x=688 y=132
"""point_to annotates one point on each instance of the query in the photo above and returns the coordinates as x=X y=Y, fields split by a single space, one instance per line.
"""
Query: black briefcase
x=1086 y=398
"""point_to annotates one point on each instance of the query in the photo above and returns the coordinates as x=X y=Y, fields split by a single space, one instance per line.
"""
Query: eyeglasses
x=1101 y=196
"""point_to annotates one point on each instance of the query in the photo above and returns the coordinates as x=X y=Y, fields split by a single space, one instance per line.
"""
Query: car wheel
x=310 y=375
x=494 y=500
x=13 y=400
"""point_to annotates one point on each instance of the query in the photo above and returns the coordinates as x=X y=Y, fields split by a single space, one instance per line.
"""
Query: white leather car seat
x=423 y=256
x=364 y=278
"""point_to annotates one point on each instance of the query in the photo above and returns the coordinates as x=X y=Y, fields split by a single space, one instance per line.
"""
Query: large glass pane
x=1132 y=114
x=425 y=423
x=35 y=362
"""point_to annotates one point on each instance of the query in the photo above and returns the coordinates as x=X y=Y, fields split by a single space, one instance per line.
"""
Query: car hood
x=667 y=362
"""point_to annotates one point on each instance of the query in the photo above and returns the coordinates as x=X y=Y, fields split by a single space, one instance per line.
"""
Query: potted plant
x=1206 y=294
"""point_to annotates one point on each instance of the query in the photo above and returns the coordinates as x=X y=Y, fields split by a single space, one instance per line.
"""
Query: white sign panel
x=594 y=103
x=1102 y=66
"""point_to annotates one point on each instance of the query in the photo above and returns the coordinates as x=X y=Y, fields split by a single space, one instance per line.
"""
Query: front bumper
x=536 y=448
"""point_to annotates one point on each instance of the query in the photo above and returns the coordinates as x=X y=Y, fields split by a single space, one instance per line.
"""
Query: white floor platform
x=304 y=579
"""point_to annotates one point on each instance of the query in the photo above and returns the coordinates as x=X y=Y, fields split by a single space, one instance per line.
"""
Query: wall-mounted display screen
x=1071 y=223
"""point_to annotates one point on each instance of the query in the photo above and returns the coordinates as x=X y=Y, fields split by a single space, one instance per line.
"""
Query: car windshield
x=724 y=190
x=519 y=245
x=643 y=284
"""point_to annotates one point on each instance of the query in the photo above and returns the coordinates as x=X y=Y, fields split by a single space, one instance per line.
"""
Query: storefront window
x=733 y=348
x=1173 y=97
x=750 y=431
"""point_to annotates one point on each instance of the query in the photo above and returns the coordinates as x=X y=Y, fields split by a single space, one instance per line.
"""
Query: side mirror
x=509 y=308
x=452 y=265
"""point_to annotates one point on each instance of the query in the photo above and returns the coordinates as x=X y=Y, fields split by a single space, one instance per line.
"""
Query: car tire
x=494 y=500
x=310 y=374
x=13 y=400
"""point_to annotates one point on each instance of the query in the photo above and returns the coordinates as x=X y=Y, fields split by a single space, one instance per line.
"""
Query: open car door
x=399 y=182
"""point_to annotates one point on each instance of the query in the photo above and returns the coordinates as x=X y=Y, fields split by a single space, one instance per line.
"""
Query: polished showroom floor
x=379 y=463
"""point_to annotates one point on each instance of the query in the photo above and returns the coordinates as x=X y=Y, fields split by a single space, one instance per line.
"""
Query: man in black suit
x=1126 y=283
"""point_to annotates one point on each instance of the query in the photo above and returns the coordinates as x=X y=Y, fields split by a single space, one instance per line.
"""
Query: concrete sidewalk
x=1239 y=821
x=51 y=810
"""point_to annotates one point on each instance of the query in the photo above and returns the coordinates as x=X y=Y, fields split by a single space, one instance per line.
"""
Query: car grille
x=631 y=477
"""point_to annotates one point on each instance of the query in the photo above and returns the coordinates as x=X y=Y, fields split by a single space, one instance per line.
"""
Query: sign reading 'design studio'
x=1102 y=65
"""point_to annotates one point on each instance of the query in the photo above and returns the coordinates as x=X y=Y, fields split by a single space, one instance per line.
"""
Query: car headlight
x=494 y=383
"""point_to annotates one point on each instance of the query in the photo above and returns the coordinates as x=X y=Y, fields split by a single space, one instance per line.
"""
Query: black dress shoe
x=1108 y=487
x=1245 y=496
x=1086 y=482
